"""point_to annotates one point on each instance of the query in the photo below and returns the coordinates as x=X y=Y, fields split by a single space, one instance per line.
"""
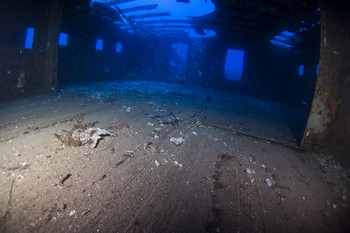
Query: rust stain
x=333 y=106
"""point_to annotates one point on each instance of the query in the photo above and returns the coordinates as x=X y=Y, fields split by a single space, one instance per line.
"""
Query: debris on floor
x=157 y=113
x=268 y=183
x=178 y=164
x=91 y=135
x=72 y=213
x=127 y=108
x=177 y=141
x=148 y=146
x=157 y=163
x=80 y=137
x=82 y=134
x=142 y=175
x=163 y=116
x=249 y=171
x=170 y=119
x=156 y=132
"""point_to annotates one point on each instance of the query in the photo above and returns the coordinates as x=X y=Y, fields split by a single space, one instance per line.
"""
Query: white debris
x=157 y=163
x=72 y=213
x=195 y=133
x=19 y=178
x=177 y=141
x=92 y=135
x=150 y=124
x=268 y=183
x=178 y=164
x=263 y=166
x=249 y=171
x=97 y=134
x=127 y=108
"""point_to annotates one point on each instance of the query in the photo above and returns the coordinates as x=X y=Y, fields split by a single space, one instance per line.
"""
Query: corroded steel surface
x=329 y=114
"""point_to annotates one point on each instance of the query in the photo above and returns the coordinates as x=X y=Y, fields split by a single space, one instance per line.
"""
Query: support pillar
x=329 y=120
x=49 y=29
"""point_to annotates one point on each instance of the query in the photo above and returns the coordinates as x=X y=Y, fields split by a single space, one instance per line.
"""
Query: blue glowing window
x=317 y=69
x=301 y=70
x=99 y=44
x=118 y=47
x=234 y=64
x=29 y=38
x=178 y=57
x=63 y=39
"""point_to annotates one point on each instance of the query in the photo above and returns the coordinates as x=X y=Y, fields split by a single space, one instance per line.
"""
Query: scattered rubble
x=91 y=135
x=80 y=137
x=177 y=141
x=82 y=134
x=249 y=171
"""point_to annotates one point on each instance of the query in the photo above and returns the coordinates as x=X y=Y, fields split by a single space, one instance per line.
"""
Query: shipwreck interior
x=174 y=116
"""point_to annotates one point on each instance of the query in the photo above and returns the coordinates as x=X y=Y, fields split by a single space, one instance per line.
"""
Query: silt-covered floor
x=170 y=159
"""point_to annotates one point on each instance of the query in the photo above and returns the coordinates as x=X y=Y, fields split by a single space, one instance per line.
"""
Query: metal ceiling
x=242 y=21
x=256 y=20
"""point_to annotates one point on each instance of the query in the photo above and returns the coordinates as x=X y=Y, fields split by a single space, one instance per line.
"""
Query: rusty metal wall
x=26 y=72
x=329 y=120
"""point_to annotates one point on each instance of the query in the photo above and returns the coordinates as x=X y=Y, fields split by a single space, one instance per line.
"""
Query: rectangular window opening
x=301 y=70
x=234 y=64
x=63 y=39
x=118 y=47
x=29 y=38
x=99 y=44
